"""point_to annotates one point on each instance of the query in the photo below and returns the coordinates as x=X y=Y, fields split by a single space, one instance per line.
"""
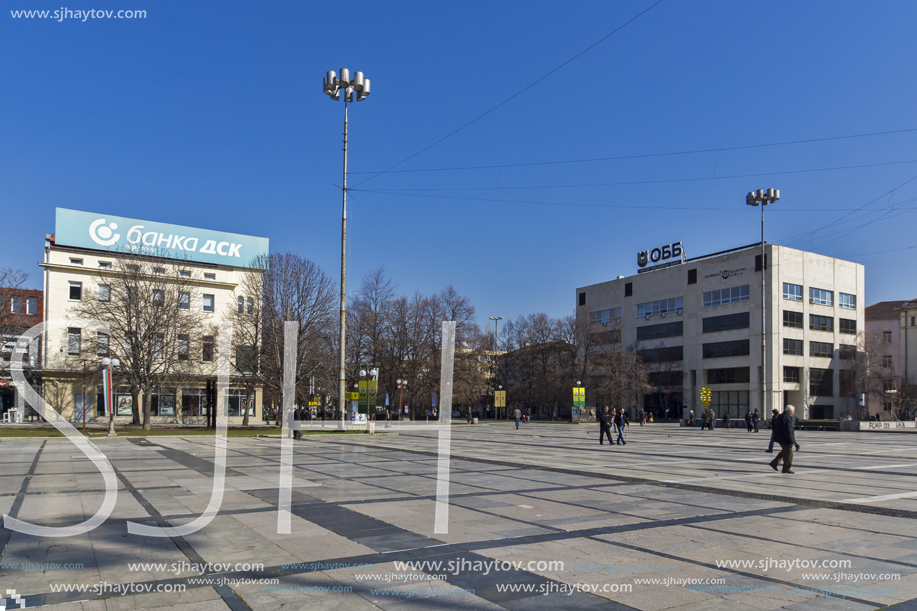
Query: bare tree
x=246 y=313
x=147 y=302
x=296 y=289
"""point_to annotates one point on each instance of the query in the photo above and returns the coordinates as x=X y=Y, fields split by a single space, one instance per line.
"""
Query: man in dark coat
x=786 y=437
x=774 y=414
x=605 y=422
x=297 y=416
x=748 y=421
x=706 y=419
x=619 y=424
x=754 y=420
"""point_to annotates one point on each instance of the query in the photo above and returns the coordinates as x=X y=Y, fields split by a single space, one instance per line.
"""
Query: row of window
x=663 y=306
x=17 y=302
x=735 y=294
x=793 y=292
x=103 y=345
x=156 y=270
x=794 y=347
x=605 y=316
x=194 y=402
x=819 y=323
x=103 y=293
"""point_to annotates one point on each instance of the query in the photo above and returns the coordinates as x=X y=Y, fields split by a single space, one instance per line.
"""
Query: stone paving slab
x=609 y=519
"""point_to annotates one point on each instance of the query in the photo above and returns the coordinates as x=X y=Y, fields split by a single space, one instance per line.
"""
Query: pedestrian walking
x=619 y=424
x=748 y=420
x=754 y=420
x=726 y=420
x=642 y=417
x=691 y=418
x=605 y=423
x=706 y=420
x=297 y=416
x=517 y=414
x=774 y=414
x=786 y=437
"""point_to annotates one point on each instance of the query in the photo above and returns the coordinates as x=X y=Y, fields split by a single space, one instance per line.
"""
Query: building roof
x=884 y=309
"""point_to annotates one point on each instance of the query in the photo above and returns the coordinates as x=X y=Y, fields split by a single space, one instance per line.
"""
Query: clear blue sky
x=212 y=115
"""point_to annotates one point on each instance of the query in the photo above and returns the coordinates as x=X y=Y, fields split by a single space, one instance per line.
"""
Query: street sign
x=579 y=396
x=500 y=398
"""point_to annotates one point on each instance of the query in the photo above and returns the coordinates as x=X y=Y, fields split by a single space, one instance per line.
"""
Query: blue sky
x=212 y=115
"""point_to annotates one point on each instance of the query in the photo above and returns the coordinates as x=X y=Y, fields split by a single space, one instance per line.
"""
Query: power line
x=650 y=182
x=646 y=155
x=518 y=93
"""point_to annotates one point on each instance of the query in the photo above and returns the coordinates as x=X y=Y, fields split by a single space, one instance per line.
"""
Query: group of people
x=612 y=420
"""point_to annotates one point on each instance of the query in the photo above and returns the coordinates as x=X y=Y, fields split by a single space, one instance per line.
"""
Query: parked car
x=456 y=414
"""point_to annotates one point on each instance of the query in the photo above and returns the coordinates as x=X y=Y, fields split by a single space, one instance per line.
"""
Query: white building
x=698 y=322
x=81 y=255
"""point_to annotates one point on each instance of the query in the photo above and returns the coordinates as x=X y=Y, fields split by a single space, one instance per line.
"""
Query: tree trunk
x=147 y=400
x=135 y=406
x=248 y=401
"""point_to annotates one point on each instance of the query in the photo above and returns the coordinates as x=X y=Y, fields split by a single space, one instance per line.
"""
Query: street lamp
x=402 y=384
x=763 y=197
x=496 y=320
x=332 y=86
x=108 y=389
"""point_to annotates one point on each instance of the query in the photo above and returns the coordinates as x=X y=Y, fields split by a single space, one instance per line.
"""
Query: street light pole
x=753 y=198
x=332 y=86
x=496 y=320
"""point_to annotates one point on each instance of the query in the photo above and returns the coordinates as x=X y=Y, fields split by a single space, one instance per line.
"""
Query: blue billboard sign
x=119 y=234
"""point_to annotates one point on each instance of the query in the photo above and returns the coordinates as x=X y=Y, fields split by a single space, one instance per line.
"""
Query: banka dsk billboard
x=119 y=234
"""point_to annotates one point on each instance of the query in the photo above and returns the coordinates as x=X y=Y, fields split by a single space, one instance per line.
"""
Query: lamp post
x=109 y=391
x=763 y=197
x=496 y=320
x=402 y=384
x=332 y=86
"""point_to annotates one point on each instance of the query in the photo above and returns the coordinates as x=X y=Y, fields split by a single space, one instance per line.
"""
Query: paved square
x=540 y=518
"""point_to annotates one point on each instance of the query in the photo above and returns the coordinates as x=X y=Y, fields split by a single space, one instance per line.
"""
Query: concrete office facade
x=699 y=323
x=71 y=363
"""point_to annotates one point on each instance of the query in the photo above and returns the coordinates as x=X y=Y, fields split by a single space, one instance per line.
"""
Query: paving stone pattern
x=540 y=518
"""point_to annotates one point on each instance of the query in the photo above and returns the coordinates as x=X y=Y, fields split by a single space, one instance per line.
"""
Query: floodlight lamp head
x=760 y=194
x=750 y=199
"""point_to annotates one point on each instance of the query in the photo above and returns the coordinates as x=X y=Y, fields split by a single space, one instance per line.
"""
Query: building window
x=207 y=349
x=848 y=382
x=848 y=352
x=692 y=276
x=793 y=292
x=582 y=299
x=848 y=327
x=718 y=350
x=15 y=304
x=159 y=298
x=184 y=273
x=210 y=276
x=726 y=322
x=246 y=359
x=729 y=375
x=663 y=306
x=158 y=345
x=792 y=319
x=159 y=270
x=821 y=323
x=132 y=268
x=821 y=349
x=672 y=329
x=792 y=347
x=724 y=296
x=602 y=317
x=629 y=289
x=250 y=303
x=105 y=264
x=104 y=292
x=888 y=406
x=31 y=304
x=73 y=341
x=887 y=361
x=183 y=347
x=76 y=291
x=184 y=301
x=75 y=261
x=208 y=303
x=821 y=296
x=241 y=308
x=791 y=375
x=888 y=386
x=847 y=301
x=102 y=343
x=886 y=337
x=732 y=402
x=667 y=354
x=130 y=340
x=821 y=382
